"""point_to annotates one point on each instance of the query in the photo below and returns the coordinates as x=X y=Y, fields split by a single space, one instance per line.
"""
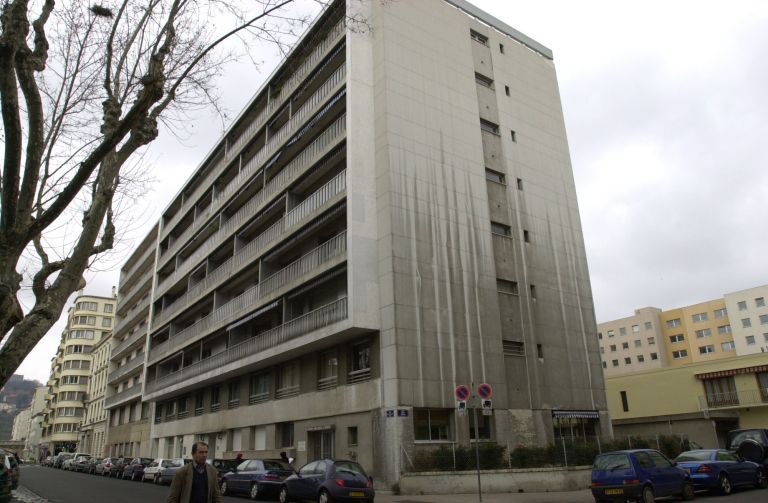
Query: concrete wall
x=497 y=481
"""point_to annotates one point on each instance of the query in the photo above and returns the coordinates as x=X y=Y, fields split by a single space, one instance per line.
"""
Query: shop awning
x=732 y=372
x=577 y=414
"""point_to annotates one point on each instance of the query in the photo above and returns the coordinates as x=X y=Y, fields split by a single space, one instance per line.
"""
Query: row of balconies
x=126 y=369
x=734 y=399
x=312 y=106
x=317 y=54
x=314 y=320
x=247 y=301
x=130 y=317
x=129 y=297
x=328 y=140
x=128 y=344
x=123 y=396
x=132 y=275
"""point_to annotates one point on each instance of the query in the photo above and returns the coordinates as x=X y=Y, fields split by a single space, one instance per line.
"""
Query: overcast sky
x=666 y=108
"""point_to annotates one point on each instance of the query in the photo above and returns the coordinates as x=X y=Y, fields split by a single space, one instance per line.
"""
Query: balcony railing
x=132 y=339
x=296 y=168
x=126 y=369
x=130 y=317
x=318 y=53
x=743 y=398
x=131 y=273
x=312 y=106
x=319 y=318
x=125 y=395
x=129 y=298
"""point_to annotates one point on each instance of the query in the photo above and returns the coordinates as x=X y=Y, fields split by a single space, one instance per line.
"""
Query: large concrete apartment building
x=392 y=215
x=89 y=320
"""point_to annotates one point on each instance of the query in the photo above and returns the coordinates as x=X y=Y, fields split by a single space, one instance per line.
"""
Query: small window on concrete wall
x=502 y=229
x=483 y=80
x=513 y=135
x=506 y=90
x=505 y=286
x=624 y=401
x=352 y=435
x=478 y=37
x=489 y=126
x=494 y=176
x=432 y=424
x=501 y=48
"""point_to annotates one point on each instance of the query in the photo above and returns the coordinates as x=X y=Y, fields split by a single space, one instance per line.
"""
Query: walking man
x=196 y=482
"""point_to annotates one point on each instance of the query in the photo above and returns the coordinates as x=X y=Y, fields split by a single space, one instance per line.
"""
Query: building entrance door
x=321 y=444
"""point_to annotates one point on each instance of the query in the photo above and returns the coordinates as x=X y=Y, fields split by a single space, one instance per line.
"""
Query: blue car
x=638 y=475
x=326 y=480
x=256 y=477
x=720 y=470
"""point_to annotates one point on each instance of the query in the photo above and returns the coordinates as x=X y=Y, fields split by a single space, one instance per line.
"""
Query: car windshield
x=145 y=461
x=693 y=456
x=276 y=464
x=615 y=461
x=348 y=466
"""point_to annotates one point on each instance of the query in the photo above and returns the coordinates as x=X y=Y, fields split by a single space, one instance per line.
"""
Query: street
x=58 y=486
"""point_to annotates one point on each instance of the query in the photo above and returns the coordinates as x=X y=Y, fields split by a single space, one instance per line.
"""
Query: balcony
x=119 y=350
x=734 y=399
x=130 y=317
x=318 y=53
x=319 y=318
x=124 y=396
x=126 y=369
x=129 y=297
x=327 y=140
x=132 y=271
x=312 y=106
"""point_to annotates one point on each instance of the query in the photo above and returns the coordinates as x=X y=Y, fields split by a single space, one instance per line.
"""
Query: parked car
x=327 y=480
x=152 y=471
x=48 y=461
x=223 y=466
x=751 y=444
x=68 y=464
x=90 y=467
x=134 y=470
x=6 y=486
x=10 y=467
x=116 y=470
x=720 y=470
x=638 y=475
x=256 y=477
x=80 y=463
x=103 y=466
x=59 y=459
x=166 y=474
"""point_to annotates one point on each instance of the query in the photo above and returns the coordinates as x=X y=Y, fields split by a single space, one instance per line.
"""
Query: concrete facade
x=392 y=215
x=749 y=315
x=90 y=319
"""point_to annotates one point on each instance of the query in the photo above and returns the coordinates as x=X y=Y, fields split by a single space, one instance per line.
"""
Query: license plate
x=614 y=491
x=358 y=494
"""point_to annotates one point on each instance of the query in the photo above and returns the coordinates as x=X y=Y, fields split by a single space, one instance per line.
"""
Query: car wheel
x=284 y=497
x=648 y=496
x=688 y=491
x=724 y=485
x=762 y=479
x=254 y=492
x=223 y=488
x=324 y=497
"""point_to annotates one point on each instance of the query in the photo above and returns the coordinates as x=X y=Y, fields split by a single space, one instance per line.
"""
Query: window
x=361 y=357
x=108 y=308
x=506 y=90
x=762 y=383
x=724 y=329
x=728 y=346
x=514 y=348
x=84 y=320
x=605 y=365
x=352 y=435
x=624 y=402
x=483 y=427
x=533 y=292
x=432 y=424
x=651 y=341
x=750 y=340
x=764 y=319
x=654 y=356
x=526 y=236
x=635 y=329
x=87 y=306
x=699 y=317
x=483 y=80
x=199 y=397
x=502 y=229
x=513 y=135
x=215 y=398
x=624 y=345
x=329 y=370
x=742 y=305
x=600 y=335
x=505 y=286
x=478 y=37
x=285 y=434
x=721 y=313
x=610 y=333
x=648 y=325
x=259 y=388
x=760 y=302
x=613 y=347
x=76 y=349
x=640 y=358
x=679 y=354
x=615 y=363
x=501 y=48
x=489 y=126
x=706 y=349
x=638 y=343
x=721 y=391
x=746 y=322
x=233 y=394
x=540 y=351
x=676 y=338
x=674 y=323
x=623 y=331
x=81 y=334
x=627 y=361
x=706 y=332
x=106 y=322
x=495 y=176
x=519 y=184
x=287 y=380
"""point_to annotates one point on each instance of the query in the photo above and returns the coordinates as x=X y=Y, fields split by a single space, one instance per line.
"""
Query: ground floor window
x=721 y=391
x=575 y=423
x=432 y=424
x=483 y=426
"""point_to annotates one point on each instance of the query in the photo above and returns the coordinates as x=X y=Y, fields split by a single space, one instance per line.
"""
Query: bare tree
x=83 y=89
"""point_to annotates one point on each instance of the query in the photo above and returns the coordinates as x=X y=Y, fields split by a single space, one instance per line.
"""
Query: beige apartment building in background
x=633 y=343
x=88 y=321
x=93 y=431
x=749 y=315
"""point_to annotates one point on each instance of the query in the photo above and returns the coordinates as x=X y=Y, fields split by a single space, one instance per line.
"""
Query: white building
x=749 y=319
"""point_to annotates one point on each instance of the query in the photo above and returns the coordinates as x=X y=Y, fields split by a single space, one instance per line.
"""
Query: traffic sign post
x=484 y=393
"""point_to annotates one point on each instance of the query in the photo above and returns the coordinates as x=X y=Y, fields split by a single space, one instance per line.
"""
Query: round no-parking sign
x=484 y=391
x=462 y=392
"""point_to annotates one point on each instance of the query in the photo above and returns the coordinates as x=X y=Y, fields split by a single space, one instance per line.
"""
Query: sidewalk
x=584 y=496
